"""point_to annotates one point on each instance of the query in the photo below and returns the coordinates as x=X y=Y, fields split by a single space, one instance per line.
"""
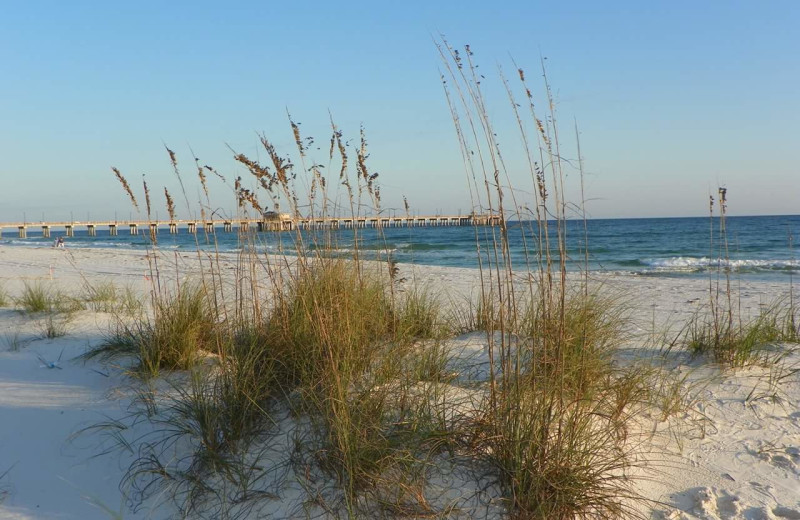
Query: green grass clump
x=573 y=340
x=346 y=347
x=335 y=350
x=419 y=315
x=130 y=302
x=333 y=318
x=35 y=298
x=737 y=343
x=223 y=412
x=556 y=459
x=107 y=297
x=554 y=427
x=55 y=324
x=180 y=330
x=479 y=314
x=101 y=297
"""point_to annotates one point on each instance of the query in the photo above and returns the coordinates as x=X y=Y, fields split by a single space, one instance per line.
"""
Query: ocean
x=758 y=247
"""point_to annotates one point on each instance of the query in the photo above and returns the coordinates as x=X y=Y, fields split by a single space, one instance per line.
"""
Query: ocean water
x=758 y=247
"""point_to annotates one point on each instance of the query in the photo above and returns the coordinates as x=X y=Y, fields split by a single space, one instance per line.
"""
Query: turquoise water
x=759 y=247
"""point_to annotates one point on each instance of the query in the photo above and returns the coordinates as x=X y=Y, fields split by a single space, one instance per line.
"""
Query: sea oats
x=146 y=196
x=170 y=204
x=126 y=186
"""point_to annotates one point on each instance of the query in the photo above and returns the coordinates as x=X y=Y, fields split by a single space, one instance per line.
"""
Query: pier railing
x=246 y=224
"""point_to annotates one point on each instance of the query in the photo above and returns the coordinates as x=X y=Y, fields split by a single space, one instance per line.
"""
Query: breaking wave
x=694 y=264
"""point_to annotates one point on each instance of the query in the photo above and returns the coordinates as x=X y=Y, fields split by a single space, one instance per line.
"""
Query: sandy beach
x=733 y=453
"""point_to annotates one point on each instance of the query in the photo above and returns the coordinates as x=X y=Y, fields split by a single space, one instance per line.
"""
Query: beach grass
x=102 y=296
x=35 y=297
x=722 y=332
x=55 y=324
x=553 y=428
x=181 y=330
x=335 y=348
x=352 y=363
x=15 y=340
x=744 y=342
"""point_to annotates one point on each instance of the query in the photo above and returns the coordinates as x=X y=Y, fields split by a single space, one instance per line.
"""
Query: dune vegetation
x=312 y=383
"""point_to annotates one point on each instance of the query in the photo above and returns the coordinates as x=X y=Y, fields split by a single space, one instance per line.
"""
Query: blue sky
x=672 y=98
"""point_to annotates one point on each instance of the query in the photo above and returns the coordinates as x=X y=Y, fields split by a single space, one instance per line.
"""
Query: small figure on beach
x=60 y=242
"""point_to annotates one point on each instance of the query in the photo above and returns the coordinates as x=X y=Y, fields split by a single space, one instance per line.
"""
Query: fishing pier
x=283 y=223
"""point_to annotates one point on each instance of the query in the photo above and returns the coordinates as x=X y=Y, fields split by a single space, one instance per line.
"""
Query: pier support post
x=134 y=229
x=173 y=228
x=70 y=231
x=227 y=227
x=192 y=227
x=209 y=227
x=153 y=231
x=112 y=230
x=91 y=230
x=23 y=232
x=46 y=231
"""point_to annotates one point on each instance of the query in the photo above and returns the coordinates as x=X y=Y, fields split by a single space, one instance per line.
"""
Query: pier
x=285 y=223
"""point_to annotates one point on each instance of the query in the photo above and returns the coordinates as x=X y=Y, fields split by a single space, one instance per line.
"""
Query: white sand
x=727 y=458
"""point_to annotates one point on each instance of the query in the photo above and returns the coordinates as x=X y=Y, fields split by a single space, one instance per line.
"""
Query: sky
x=672 y=99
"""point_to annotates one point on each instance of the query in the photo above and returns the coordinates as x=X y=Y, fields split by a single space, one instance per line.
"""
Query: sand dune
x=734 y=454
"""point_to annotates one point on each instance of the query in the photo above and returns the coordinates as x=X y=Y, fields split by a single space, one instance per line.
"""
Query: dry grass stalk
x=202 y=176
x=170 y=204
x=146 y=196
x=552 y=426
x=126 y=187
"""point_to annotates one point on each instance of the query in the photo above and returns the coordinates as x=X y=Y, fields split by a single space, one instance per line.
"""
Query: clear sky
x=672 y=98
